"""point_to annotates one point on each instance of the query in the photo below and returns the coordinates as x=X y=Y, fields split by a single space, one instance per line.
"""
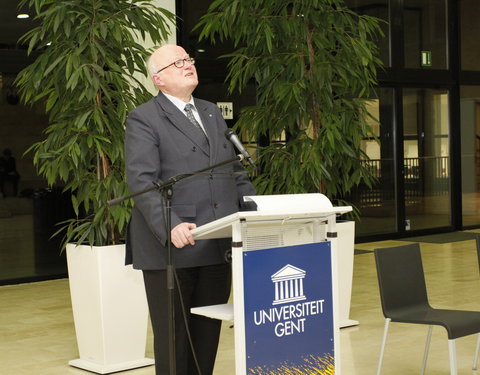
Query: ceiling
x=13 y=56
x=11 y=28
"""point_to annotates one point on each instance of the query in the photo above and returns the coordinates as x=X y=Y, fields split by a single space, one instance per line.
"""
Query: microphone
x=232 y=137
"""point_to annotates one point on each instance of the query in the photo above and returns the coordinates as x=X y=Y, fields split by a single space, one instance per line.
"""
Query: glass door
x=376 y=204
x=470 y=138
x=426 y=168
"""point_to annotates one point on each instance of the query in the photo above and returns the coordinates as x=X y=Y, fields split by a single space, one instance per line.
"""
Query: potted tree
x=90 y=55
x=314 y=67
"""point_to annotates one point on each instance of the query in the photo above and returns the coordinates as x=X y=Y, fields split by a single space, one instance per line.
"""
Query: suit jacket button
x=194 y=149
x=224 y=145
x=215 y=205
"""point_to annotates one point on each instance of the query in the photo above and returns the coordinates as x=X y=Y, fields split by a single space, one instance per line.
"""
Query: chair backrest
x=400 y=278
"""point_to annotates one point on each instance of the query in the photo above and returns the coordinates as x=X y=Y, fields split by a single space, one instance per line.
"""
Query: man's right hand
x=182 y=236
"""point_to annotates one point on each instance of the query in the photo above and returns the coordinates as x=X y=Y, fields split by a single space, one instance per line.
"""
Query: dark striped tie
x=191 y=117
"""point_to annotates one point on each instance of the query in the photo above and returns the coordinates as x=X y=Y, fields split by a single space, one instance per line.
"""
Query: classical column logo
x=288 y=285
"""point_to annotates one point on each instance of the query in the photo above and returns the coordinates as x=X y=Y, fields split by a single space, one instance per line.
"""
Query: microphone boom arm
x=173 y=180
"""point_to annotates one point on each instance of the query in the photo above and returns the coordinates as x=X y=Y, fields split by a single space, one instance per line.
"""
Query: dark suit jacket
x=160 y=143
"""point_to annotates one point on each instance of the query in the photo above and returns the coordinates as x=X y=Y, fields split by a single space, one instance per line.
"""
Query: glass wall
x=426 y=158
x=29 y=209
x=425 y=34
x=470 y=139
x=470 y=29
x=376 y=204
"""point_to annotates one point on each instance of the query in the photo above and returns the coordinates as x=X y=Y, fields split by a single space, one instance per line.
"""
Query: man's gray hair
x=152 y=68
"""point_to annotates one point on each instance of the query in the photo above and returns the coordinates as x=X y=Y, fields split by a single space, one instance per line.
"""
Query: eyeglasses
x=179 y=63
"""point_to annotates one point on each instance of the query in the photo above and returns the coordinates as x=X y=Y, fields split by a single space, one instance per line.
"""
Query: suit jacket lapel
x=182 y=123
x=209 y=124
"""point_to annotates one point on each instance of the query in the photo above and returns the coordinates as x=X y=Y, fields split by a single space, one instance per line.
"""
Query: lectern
x=285 y=284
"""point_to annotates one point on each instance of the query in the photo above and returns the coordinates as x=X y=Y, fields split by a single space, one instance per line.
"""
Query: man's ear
x=157 y=80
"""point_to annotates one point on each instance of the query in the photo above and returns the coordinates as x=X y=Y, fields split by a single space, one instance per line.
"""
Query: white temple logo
x=288 y=285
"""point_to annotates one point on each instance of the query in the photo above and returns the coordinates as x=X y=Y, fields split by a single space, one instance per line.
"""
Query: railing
x=413 y=167
x=423 y=176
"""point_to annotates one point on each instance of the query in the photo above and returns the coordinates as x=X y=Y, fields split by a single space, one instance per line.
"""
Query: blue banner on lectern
x=289 y=310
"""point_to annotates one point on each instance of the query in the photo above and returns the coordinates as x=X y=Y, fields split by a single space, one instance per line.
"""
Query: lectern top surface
x=221 y=228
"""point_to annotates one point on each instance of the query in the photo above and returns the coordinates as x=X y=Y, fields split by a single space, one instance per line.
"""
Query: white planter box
x=109 y=308
x=346 y=239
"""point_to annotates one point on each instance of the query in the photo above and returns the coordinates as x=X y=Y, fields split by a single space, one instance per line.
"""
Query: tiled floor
x=37 y=332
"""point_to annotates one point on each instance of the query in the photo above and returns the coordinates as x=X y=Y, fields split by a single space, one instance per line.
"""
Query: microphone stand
x=166 y=189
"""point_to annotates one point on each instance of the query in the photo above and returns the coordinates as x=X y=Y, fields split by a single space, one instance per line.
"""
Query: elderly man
x=175 y=133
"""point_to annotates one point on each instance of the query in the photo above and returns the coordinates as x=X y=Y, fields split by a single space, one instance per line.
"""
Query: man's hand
x=182 y=236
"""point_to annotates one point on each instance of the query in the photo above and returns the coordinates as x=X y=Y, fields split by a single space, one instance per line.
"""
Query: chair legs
x=382 y=349
x=475 y=358
x=384 y=341
x=427 y=347
x=452 y=353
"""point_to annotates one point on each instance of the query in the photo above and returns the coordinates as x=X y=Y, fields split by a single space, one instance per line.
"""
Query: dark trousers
x=200 y=286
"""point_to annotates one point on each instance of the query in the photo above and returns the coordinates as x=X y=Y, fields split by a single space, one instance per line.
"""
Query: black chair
x=403 y=293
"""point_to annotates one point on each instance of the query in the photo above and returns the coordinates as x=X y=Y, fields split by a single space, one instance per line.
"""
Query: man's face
x=179 y=82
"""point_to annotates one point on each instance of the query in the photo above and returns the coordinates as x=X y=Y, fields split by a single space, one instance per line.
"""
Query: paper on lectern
x=291 y=203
